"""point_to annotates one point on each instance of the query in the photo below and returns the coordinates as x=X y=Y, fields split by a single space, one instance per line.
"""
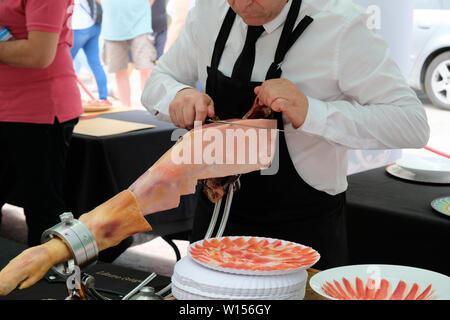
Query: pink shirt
x=39 y=95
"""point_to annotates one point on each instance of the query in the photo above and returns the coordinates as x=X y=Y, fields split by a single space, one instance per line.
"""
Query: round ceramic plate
x=198 y=279
x=181 y=294
x=253 y=255
x=399 y=172
x=432 y=167
x=442 y=205
x=381 y=282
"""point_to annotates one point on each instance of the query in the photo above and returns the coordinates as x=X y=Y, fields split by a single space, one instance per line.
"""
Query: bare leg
x=145 y=74
x=123 y=86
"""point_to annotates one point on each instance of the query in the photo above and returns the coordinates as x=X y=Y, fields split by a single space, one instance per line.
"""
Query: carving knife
x=245 y=125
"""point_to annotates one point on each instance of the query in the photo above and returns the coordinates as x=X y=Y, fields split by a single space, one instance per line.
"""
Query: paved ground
x=154 y=254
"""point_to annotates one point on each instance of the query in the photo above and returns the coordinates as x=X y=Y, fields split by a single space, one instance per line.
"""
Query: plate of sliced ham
x=253 y=255
x=381 y=282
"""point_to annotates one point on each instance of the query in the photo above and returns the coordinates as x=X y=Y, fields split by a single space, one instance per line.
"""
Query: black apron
x=279 y=206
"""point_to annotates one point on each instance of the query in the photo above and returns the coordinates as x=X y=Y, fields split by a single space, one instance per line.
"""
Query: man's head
x=257 y=12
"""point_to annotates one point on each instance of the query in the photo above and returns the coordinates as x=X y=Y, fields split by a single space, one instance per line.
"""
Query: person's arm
x=44 y=21
x=38 y=51
x=378 y=110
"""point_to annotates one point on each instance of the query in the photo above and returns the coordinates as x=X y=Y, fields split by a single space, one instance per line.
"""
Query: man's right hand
x=190 y=105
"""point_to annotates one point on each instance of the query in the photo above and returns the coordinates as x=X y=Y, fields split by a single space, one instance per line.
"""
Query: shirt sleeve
x=379 y=111
x=176 y=70
x=47 y=15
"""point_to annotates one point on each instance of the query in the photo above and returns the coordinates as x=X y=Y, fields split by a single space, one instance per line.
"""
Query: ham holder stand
x=83 y=246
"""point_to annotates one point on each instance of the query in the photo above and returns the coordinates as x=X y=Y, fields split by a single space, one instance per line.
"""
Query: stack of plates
x=422 y=169
x=243 y=268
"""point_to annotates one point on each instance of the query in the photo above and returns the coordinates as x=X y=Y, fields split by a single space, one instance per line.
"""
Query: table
x=108 y=277
x=390 y=221
x=112 y=280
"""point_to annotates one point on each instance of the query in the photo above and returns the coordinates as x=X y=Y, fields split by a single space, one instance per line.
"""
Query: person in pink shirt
x=39 y=106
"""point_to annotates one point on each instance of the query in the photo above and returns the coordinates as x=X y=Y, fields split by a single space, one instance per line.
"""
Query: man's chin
x=253 y=21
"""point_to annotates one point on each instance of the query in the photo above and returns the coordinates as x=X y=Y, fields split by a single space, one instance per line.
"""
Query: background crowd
x=47 y=46
x=118 y=37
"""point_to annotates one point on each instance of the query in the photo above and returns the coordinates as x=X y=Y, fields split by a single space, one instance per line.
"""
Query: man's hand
x=190 y=105
x=281 y=95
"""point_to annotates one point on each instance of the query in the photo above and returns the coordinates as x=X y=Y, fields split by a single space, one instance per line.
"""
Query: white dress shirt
x=358 y=98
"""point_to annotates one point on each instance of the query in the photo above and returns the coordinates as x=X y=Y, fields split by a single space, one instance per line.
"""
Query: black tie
x=244 y=64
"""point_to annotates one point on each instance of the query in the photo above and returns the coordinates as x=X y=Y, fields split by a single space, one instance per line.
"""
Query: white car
x=430 y=55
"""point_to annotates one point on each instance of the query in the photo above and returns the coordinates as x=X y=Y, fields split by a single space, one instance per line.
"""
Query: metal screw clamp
x=78 y=238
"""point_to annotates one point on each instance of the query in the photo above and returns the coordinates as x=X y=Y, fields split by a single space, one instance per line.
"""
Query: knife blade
x=240 y=124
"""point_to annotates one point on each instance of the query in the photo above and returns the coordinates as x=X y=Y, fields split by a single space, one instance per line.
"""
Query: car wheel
x=437 y=81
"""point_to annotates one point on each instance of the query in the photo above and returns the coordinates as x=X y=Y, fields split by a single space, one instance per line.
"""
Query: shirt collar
x=279 y=20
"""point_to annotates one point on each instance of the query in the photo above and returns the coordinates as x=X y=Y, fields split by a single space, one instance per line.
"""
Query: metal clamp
x=232 y=187
x=78 y=239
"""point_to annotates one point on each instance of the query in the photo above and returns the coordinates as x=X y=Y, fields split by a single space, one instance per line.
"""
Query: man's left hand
x=281 y=95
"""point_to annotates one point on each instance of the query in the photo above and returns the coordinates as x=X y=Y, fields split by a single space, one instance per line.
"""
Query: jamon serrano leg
x=110 y=223
x=166 y=178
x=31 y=265
x=156 y=190
x=115 y=220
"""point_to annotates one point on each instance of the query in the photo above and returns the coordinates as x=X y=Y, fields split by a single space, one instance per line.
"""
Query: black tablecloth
x=113 y=281
x=391 y=221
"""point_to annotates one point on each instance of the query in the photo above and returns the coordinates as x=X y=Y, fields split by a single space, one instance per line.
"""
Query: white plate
x=245 y=267
x=425 y=166
x=401 y=173
x=195 y=278
x=442 y=205
x=95 y=109
x=440 y=284
x=181 y=294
